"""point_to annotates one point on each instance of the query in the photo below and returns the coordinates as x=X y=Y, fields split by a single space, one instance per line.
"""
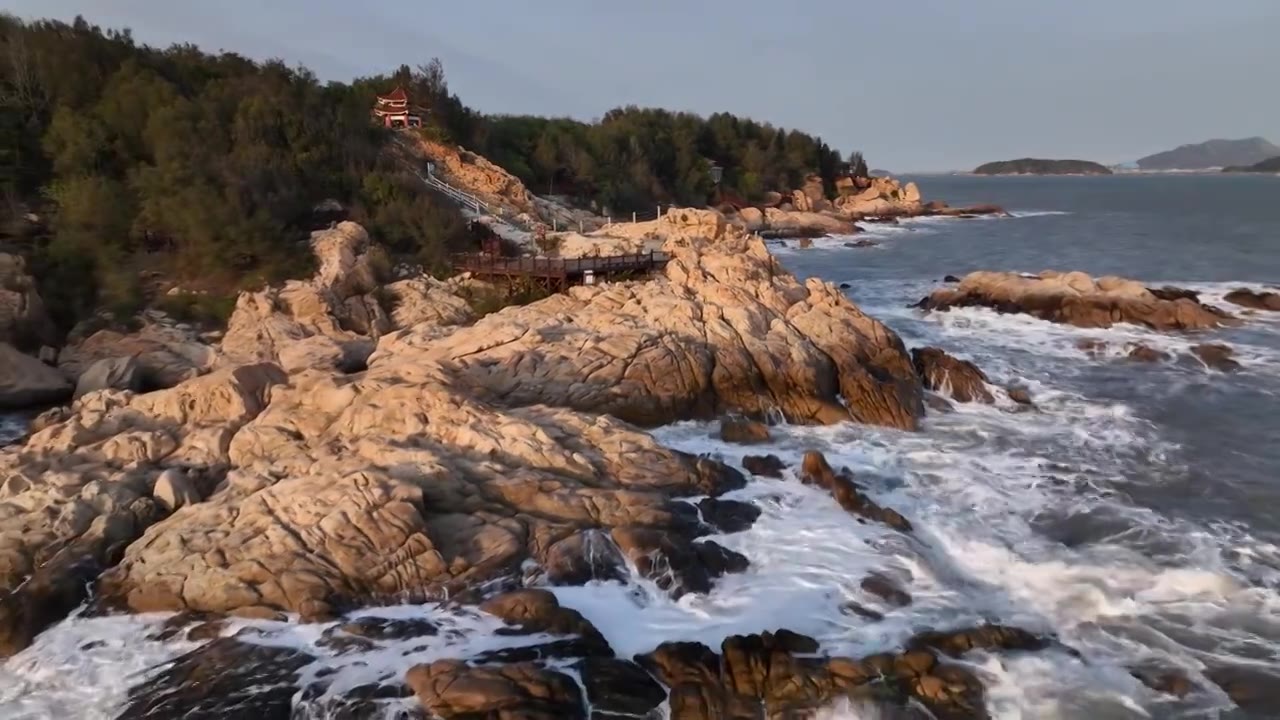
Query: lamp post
x=717 y=174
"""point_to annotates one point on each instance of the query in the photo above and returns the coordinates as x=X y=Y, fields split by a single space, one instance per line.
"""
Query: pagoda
x=392 y=110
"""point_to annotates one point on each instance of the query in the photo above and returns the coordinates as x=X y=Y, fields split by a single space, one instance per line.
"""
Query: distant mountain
x=1212 y=154
x=1270 y=165
x=1035 y=166
x=881 y=173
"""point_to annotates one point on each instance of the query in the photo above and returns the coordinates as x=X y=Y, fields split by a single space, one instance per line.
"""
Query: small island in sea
x=1270 y=165
x=1035 y=166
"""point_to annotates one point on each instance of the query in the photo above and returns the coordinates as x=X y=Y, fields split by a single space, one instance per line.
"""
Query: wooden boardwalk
x=559 y=273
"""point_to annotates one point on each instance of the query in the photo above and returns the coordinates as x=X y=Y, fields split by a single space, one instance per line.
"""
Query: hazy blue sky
x=922 y=85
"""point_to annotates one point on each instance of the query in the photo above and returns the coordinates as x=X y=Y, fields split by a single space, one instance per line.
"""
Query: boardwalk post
x=659 y=211
x=633 y=217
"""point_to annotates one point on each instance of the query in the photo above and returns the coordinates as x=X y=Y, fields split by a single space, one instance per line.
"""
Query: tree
x=858 y=165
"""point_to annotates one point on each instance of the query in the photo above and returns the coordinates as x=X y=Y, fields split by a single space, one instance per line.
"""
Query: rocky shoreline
x=351 y=443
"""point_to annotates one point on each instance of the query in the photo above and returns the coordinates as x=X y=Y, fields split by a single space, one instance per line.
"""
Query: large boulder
x=800 y=223
x=23 y=320
x=1075 y=298
x=27 y=382
x=1254 y=299
x=727 y=330
x=121 y=373
x=161 y=354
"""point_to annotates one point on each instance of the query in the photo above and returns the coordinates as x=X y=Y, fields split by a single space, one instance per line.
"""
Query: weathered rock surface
x=357 y=490
x=1077 y=299
x=959 y=379
x=1254 y=299
x=727 y=330
x=23 y=320
x=332 y=321
x=27 y=382
x=81 y=489
x=476 y=175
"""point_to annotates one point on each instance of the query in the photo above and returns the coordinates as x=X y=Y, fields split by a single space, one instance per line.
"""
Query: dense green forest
x=125 y=168
x=635 y=157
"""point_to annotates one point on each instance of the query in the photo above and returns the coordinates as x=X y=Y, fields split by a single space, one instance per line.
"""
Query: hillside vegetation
x=1034 y=166
x=126 y=169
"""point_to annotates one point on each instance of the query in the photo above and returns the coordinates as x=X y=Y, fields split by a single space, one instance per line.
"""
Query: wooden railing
x=558 y=267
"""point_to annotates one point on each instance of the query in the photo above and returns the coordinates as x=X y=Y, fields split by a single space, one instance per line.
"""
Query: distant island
x=1034 y=166
x=1211 y=155
x=1270 y=165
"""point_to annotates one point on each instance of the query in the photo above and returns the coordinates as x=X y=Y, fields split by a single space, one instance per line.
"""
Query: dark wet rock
x=744 y=432
x=764 y=465
x=943 y=373
x=862 y=611
x=61 y=581
x=861 y=243
x=1254 y=689
x=1167 y=680
x=1146 y=353
x=983 y=637
x=1253 y=299
x=816 y=471
x=453 y=689
x=1216 y=356
x=534 y=612
x=1020 y=395
x=582 y=558
x=227 y=678
x=362 y=634
x=363 y=702
x=1169 y=292
x=845 y=286
x=728 y=516
x=674 y=562
x=779 y=675
x=886 y=589
x=619 y=688
x=529 y=612
x=951 y=279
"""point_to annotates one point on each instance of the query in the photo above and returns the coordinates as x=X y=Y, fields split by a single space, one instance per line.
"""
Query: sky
x=927 y=85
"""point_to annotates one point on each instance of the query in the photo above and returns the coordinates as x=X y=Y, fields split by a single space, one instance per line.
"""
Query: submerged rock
x=816 y=471
x=1077 y=299
x=1216 y=356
